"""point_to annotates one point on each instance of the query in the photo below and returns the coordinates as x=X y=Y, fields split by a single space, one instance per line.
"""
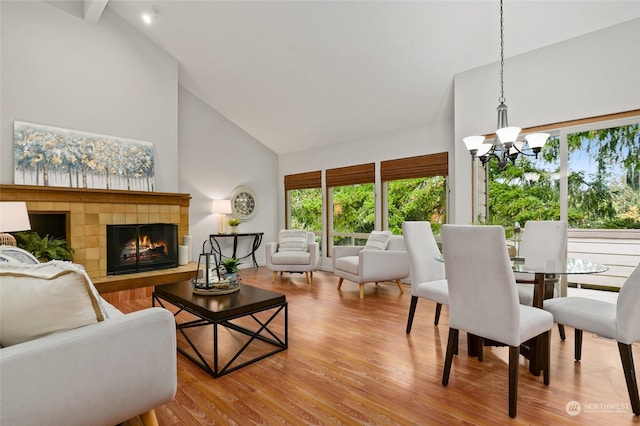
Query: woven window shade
x=415 y=167
x=352 y=175
x=303 y=181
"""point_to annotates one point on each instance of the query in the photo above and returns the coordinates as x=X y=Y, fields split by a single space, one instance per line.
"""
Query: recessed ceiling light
x=147 y=18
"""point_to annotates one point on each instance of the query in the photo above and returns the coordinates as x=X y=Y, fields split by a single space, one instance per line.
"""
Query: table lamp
x=222 y=208
x=13 y=217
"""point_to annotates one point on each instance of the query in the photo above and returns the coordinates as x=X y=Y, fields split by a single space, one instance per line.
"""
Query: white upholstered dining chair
x=619 y=321
x=427 y=273
x=543 y=241
x=483 y=299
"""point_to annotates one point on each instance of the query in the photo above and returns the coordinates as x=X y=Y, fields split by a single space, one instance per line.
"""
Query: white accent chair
x=360 y=265
x=483 y=299
x=302 y=260
x=427 y=273
x=619 y=321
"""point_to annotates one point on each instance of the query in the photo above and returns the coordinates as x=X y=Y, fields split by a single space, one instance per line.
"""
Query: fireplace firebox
x=137 y=248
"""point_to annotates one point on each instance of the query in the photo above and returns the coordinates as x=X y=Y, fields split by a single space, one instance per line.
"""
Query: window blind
x=303 y=180
x=352 y=175
x=415 y=167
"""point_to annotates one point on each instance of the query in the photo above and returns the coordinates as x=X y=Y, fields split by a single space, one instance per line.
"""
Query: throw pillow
x=378 y=240
x=37 y=300
x=15 y=254
x=292 y=240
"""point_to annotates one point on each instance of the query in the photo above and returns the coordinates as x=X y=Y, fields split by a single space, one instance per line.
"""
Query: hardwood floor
x=350 y=362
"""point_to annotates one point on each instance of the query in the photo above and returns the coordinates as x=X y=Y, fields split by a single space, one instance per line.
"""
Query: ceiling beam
x=93 y=9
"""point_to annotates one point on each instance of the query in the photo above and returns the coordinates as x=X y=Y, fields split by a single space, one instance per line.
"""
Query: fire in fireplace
x=137 y=248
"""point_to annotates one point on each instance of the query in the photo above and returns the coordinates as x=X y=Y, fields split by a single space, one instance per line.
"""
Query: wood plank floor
x=350 y=362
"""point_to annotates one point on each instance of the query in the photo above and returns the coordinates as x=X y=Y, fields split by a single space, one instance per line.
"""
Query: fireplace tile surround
x=89 y=211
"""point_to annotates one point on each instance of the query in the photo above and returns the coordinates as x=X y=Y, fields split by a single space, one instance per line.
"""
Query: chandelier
x=505 y=146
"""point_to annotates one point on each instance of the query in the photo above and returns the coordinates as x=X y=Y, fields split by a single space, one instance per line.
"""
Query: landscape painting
x=53 y=156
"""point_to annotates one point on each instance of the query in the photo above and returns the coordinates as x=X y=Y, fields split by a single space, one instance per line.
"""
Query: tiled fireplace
x=89 y=211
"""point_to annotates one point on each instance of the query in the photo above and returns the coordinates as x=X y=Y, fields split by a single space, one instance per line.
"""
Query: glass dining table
x=543 y=275
x=543 y=271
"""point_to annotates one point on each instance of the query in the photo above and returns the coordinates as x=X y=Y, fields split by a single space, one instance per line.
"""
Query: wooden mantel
x=60 y=194
x=88 y=213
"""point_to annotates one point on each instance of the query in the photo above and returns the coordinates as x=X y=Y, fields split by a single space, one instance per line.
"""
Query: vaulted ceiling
x=301 y=74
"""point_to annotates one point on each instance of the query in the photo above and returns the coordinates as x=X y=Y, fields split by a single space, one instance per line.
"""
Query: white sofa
x=102 y=373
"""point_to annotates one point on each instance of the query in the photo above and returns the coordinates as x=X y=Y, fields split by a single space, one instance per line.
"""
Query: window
x=526 y=190
x=351 y=201
x=604 y=177
x=600 y=179
x=414 y=188
x=304 y=202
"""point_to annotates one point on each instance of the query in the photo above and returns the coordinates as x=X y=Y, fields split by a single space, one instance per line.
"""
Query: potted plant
x=45 y=248
x=230 y=266
x=233 y=223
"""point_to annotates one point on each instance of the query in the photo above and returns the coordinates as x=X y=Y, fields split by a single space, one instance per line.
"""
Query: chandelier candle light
x=505 y=146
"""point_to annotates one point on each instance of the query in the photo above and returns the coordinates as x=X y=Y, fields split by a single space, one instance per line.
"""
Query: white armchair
x=295 y=251
x=364 y=264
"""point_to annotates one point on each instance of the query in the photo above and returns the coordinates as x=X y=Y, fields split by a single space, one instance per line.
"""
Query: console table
x=214 y=240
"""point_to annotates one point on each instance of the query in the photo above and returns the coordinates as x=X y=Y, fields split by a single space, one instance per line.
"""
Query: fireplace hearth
x=142 y=247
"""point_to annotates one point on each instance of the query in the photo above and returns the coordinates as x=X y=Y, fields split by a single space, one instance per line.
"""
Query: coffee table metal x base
x=213 y=368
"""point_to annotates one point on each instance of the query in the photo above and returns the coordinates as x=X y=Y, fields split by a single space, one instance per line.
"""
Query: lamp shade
x=537 y=140
x=508 y=134
x=473 y=142
x=516 y=147
x=221 y=206
x=484 y=149
x=14 y=216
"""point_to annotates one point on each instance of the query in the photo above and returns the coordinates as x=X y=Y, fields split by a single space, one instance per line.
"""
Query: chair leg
x=480 y=342
x=273 y=276
x=340 y=283
x=455 y=344
x=626 y=356
x=149 y=418
x=514 y=363
x=361 y=290
x=451 y=343
x=412 y=311
x=563 y=336
x=578 y=344
x=306 y=274
x=546 y=350
x=399 y=282
x=436 y=320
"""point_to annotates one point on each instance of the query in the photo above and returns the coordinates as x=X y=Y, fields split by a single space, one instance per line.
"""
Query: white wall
x=587 y=76
x=105 y=78
x=216 y=156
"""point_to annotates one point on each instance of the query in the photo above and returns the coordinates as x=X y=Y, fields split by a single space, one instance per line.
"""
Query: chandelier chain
x=501 y=99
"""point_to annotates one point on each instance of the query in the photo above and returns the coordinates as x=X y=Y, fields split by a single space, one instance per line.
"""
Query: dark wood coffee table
x=252 y=305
